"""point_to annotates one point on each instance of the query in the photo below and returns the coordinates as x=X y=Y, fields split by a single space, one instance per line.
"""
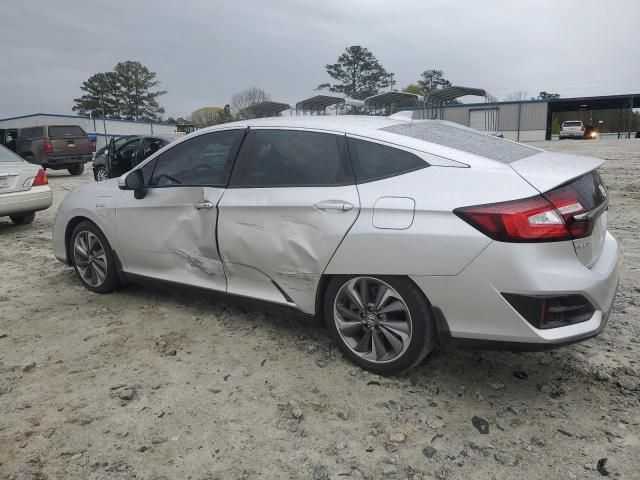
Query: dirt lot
x=152 y=384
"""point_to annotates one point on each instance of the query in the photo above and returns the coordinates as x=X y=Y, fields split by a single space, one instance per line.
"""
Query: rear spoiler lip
x=548 y=170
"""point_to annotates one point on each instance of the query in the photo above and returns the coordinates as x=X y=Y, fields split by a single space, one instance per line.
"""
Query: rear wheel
x=381 y=323
x=93 y=259
x=23 y=218
x=76 y=169
x=101 y=174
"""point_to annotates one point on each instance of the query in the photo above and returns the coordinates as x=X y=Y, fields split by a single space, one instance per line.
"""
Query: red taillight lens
x=547 y=218
x=41 y=179
x=48 y=147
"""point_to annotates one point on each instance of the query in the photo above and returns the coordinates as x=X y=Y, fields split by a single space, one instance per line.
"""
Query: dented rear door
x=290 y=202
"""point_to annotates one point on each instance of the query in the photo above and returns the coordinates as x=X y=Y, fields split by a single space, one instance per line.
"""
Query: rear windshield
x=572 y=124
x=464 y=139
x=66 y=131
x=7 y=155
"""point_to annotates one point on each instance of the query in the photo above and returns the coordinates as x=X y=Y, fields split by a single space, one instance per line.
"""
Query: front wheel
x=93 y=259
x=381 y=323
x=76 y=169
x=101 y=174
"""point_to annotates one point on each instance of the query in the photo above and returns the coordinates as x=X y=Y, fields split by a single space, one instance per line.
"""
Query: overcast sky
x=204 y=51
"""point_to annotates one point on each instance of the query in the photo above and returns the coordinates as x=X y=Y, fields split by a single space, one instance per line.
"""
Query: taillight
x=548 y=218
x=48 y=147
x=41 y=179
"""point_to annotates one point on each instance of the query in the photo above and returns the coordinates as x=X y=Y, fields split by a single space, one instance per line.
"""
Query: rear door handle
x=201 y=205
x=334 y=205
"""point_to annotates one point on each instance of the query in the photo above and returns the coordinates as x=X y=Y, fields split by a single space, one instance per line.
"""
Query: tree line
x=129 y=90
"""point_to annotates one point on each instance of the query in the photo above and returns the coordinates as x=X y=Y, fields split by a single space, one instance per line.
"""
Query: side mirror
x=133 y=181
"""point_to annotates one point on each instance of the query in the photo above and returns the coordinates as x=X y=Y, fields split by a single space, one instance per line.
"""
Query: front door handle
x=334 y=205
x=201 y=205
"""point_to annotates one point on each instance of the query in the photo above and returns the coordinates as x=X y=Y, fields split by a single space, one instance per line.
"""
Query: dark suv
x=124 y=153
x=57 y=147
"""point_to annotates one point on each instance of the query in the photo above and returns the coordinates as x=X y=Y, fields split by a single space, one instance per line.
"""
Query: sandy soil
x=151 y=384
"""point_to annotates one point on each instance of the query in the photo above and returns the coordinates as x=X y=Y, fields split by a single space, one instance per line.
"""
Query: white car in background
x=24 y=188
x=399 y=233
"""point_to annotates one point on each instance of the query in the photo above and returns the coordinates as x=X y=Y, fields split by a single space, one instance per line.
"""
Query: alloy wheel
x=90 y=258
x=372 y=319
x=101 y=175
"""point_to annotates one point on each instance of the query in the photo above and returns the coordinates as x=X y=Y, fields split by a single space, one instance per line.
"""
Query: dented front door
x=170 y=235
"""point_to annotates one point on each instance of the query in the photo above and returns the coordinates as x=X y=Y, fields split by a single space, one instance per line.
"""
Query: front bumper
x=476 y=312
x=32 y=200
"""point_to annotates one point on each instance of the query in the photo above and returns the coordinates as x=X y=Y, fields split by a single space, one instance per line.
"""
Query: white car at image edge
x=400 y=234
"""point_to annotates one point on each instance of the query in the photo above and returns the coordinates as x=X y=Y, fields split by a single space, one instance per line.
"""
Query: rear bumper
x=33 y=200
x=477 y=314
x=572 y=135
x=57 y=163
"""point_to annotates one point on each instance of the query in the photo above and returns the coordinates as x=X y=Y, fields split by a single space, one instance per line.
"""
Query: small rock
x=76 y=456
x=505 y=459
x=481 y=424
x=628 y=370
x=102 y=311
x=435 y=423
x=28 y=368
x=398 y=437
x=538 y=442
x=601 y=467
x=127 y=394
x=297 y=413
x=565 y=432
x=3 y=335
x=520 y=375
x=602 y=376
x=343 y=415
x=171 y=353
x=627 y=384
x=341 y=446
x=143 y=449
x=319 y=472
x=429 y=452
x=356 y=474
x=389 y=469
x=214 y=390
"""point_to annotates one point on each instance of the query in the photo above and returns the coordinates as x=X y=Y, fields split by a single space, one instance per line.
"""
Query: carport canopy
x=608 y=102
x=266 y=109
x=444 y=95
x=399 y=99
x=318 y=103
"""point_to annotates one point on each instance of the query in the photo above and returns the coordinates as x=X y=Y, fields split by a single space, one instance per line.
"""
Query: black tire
x=100 y=171
x=112 y=280
x=76 y=169
x=23 y=218
x=423 y=330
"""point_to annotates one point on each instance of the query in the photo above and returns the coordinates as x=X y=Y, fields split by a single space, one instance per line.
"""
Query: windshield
x=465 y=139
x=7 y=155
x=572 y=124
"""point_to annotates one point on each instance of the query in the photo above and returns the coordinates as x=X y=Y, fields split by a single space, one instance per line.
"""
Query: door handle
x=334 y=205
x=201 y=205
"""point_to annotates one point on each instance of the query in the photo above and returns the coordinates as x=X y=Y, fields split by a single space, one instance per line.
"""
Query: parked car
x=58 y=147
x=399 y=233
x=124 y=153
x=9 y=137
x=24 y=188
x=576 y=129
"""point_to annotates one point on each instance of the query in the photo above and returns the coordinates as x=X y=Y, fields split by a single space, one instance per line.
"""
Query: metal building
x=104 y=129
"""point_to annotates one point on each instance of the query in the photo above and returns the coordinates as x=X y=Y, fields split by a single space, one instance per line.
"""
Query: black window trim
x=408 y=150
x=233 y=154
x=342 y=151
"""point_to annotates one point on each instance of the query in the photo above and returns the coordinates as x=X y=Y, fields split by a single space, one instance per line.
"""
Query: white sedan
x=24 y=188
x=399 y=233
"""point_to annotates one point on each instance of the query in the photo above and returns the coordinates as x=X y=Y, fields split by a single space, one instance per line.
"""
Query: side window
x=151 y=146
x=202 y=160
x=25 y=133
x=285 y=158
x=37 y=132
x=372 y=161
x=128 y=150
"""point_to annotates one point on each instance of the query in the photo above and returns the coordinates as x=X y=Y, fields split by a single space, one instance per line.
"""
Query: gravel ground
x=152 y=384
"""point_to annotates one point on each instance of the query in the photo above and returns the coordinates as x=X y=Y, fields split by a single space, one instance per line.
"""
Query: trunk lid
x=547 y=171
x=13 y=176
x=68 y=140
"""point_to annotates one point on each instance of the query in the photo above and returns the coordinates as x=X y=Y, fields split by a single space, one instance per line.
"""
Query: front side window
x=285 y=158
x=151 y=146
x=202 y=160
x=373 y=161
x=128 y=150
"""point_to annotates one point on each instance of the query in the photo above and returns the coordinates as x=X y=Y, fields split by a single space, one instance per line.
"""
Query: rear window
x=464 y=139
x=572 y=124
x=7 y=156
x=591 y=189
x=66 y=131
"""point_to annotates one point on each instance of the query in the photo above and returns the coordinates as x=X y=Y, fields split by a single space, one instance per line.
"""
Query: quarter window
x=373 y=161
x=202 y=160
x=285 y=158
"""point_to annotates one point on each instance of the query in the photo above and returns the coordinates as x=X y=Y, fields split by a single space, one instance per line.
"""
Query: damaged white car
x=399 y=233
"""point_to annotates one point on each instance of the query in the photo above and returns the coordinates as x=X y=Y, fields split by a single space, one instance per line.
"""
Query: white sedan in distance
x=401 y=234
